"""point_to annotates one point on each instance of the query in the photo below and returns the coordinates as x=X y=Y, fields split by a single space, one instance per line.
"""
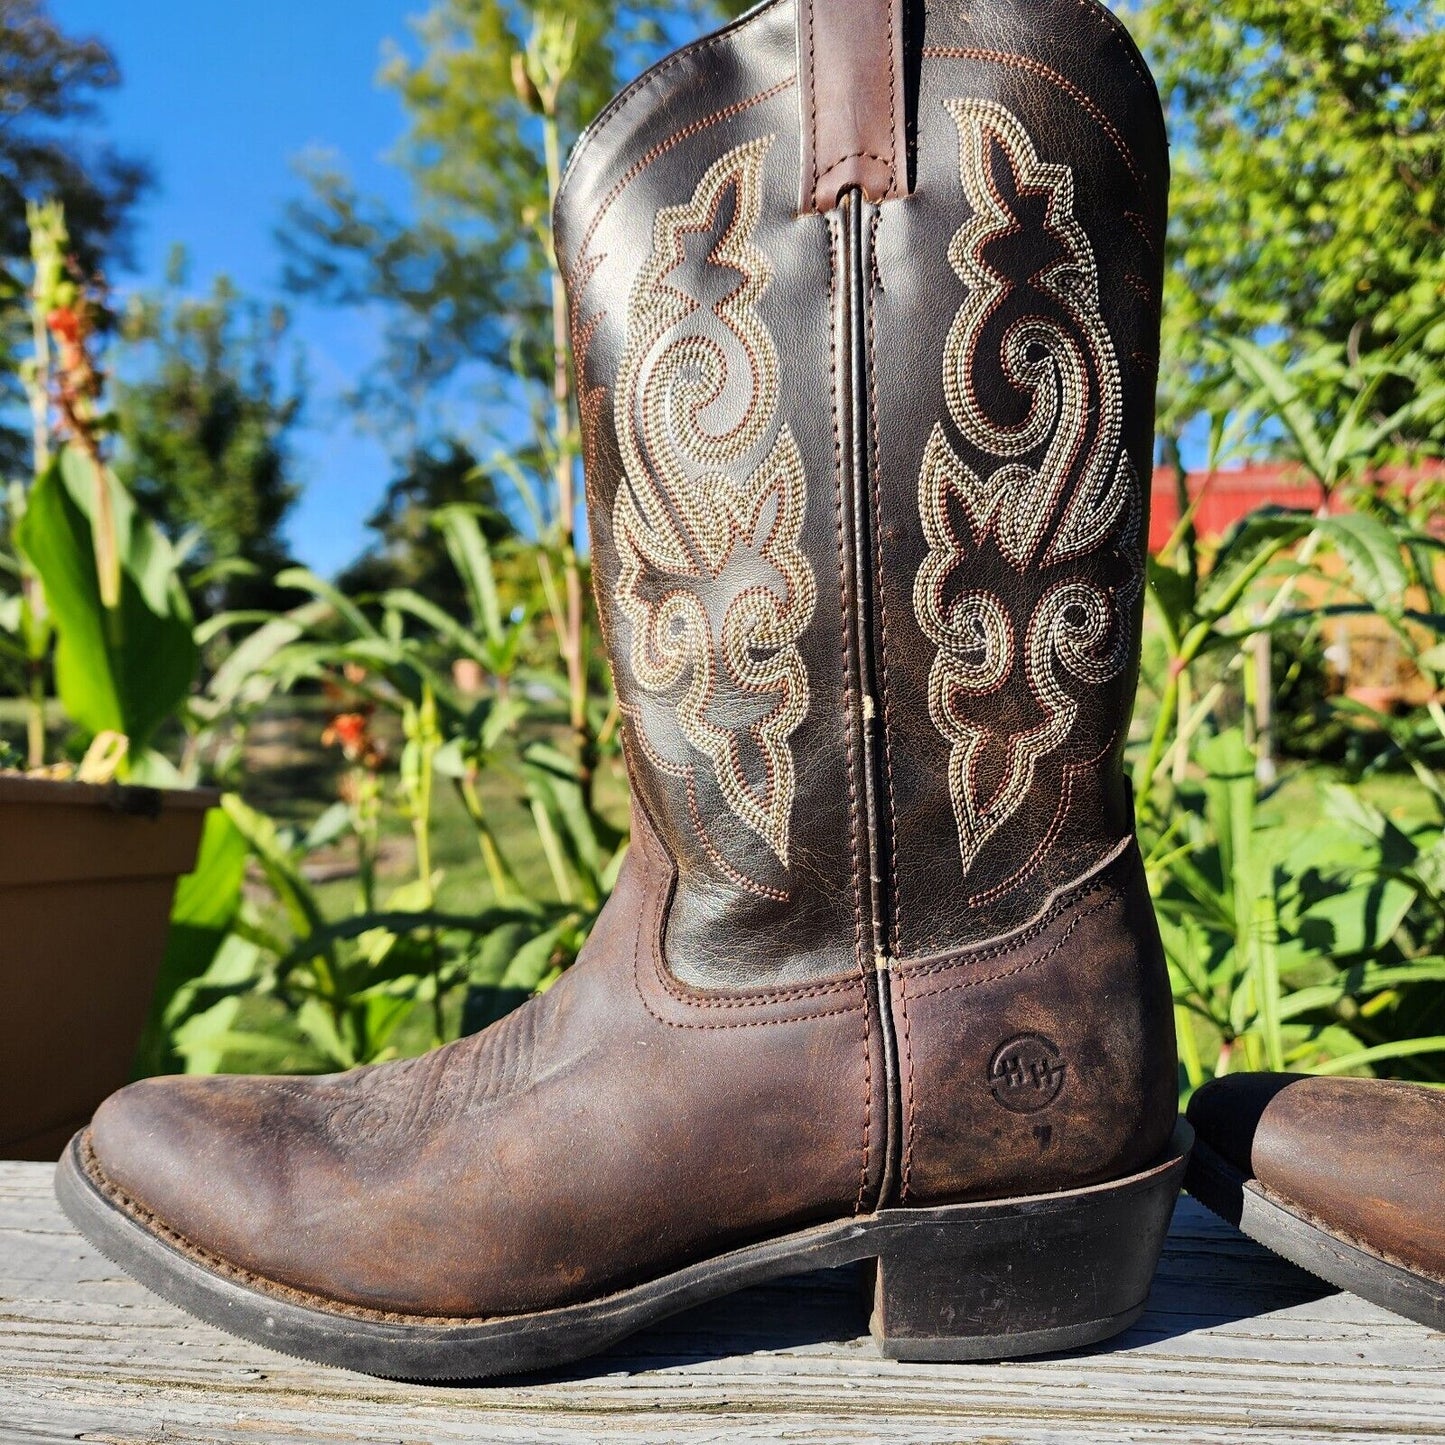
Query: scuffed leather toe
x=249 y=1172
x=197 y=1155
x=1363 y=1157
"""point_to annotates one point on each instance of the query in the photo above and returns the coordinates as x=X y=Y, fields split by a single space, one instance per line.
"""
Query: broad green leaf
x=205 y=1039
x=1358 y=920
x=128 y=670
x=1372 y=553
x=211 y=1005
x=206 y=903
x=472 y=557
x=315 y=1020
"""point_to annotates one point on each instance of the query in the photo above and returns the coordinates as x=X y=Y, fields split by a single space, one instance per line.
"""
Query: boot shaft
x=864 y=473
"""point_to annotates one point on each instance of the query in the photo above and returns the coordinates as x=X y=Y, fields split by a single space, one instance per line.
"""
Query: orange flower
x=66 y=324
x=351 y=732
x=348 y=729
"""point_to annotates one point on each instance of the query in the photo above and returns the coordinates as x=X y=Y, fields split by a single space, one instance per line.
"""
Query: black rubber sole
x=1294 y=1236
x=992 y=1280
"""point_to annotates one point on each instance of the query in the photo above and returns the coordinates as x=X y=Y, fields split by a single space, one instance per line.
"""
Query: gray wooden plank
x=1234 y=1341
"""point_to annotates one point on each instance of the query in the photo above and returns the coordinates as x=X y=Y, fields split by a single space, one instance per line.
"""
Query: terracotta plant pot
x=87 y=875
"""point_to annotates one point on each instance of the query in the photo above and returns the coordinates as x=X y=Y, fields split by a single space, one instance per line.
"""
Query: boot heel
x=1016 y=1277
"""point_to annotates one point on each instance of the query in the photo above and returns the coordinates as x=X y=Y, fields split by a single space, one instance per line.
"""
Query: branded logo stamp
x=1027 y=1073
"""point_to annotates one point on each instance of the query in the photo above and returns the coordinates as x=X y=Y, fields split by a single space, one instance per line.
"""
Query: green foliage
x=348 y=986
x=209 y=964
x=1293 y=949
x=1372 y=400
x=411 y=552
x=352 y=987
x=204 y=421
x=1319 y=949
x=123 y=669
x=1309 y=179
x=468 y=278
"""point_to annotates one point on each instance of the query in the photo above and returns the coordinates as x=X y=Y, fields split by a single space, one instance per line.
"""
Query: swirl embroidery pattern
x=1043 y=491
x=713 y=588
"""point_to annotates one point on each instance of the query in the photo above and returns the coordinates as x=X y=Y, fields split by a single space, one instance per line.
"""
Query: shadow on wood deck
x=1234 y=1344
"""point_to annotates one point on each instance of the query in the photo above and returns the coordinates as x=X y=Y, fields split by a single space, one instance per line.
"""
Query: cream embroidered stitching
x=1080 y=494
x=711 y=490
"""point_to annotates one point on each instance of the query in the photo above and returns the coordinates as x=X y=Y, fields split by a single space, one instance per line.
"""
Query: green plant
x=1323 y=948
x=1293 y=948
x=1307 y=162
x=349 y=985
x=543 y=717
x=97 y=576
x=125 y=666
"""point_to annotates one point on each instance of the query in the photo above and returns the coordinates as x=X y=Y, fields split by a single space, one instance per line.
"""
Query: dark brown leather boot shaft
x=865 y=477
x=865 y=310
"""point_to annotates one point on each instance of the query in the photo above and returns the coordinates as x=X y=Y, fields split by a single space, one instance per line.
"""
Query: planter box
x=87 y=875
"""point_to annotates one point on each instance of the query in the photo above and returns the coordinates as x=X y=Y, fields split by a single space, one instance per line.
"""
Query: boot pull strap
x=850 y=65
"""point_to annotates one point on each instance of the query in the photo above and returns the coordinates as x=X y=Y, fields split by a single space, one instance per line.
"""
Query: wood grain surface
x=1236 y=1345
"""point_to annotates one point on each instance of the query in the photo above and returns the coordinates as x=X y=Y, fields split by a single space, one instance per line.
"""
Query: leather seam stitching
x=731 y=1003
x=859 y=1205
x=822 y=990
x=1110 y=879
x=1111 y=23
x=812 y=107
x=893 y=8
x=910 y=1115
x=1074 y=925
x=153 y=1224
x=895 y=911
x=1080 y=98
x=671 y=142
x=644 y=83
x=843 y=614
x=1033 y=927
x=853 y=156
x=762 y=999
x=843 y=608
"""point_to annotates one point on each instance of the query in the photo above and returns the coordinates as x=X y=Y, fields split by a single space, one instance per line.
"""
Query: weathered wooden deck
x=1236 y=1345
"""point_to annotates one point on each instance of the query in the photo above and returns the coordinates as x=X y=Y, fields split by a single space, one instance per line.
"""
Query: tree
x=497 y=95
x=205 y=418
x=465 y=280
x=48 y=82
x=1309 y=186
x=411 y=551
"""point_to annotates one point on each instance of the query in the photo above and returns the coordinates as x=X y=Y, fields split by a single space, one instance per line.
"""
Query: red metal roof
x=1231 y=495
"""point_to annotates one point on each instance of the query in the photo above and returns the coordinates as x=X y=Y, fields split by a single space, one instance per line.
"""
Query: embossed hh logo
x=1027 y=1073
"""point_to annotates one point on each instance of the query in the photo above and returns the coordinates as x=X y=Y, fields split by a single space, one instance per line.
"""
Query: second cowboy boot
x=865 y=317
x=1343 y=1177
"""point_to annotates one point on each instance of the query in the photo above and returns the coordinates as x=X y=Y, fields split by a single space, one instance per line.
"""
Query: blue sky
x=222 y=98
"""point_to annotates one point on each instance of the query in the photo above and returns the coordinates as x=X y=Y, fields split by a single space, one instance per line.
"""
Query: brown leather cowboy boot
x=1343 y=1177
x=866 y=313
